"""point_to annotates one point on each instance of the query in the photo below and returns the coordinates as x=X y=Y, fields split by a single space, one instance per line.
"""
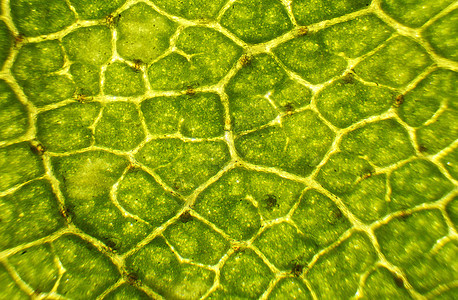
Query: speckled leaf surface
x=229 y=149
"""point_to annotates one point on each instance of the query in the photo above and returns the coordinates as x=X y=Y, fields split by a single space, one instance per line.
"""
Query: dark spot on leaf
x=37 y=148
x=190 y=91
x=422 y=148
x=110 y=243
x=289 y=108
x=404 y=216
x=398 y=100
x=131 y=278
x=348 y=78
x=186 y=217
x=246 y=60
x=23 y=252
x=271 y=201
x=297 y=269
x=398 y=281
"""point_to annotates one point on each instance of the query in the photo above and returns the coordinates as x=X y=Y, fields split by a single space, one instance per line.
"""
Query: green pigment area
x=200 y=149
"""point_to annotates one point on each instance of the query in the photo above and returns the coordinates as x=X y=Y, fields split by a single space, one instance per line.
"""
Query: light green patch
x=336 y=274
x=120 y=127
x=417 y=182
x=199 y=116
x=292 y=146
x=89 y=45
x=382 y=284
x=13 y=115
x=126 y=291
x=368 y=30
x=6 y=42
x=18 y=164
x=342 y=171
x=143 y=33
x=347 y=101
x=290 y=288
x=367 y=201
x=256 y=21
x=439 y=134
x=191 y=9
x=285 y=247
x=195 y=240
x=425 y=268
x=141 y=195
x=184 y=165
x=209 y=56
x=380 y=149
x=319 y=218
x=45 y=17
x=95 y=9
x=157 y=266
x=36 y=265
x=87 y=180
x=442 y=35
x=396 y=64
x=310 y=57
x=421 y=103
x=67 y=128
x=28 y=214
x=10 y=290
x=245 y=275
x=312 y=11
x=83 y=263
x=413 y=13
x=123 y=80
x=228 y=202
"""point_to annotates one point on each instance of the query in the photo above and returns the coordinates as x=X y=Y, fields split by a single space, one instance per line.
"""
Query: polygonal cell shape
x=184 y=165
x=256 y=21
x=430 y=184
x=297 y=145
x=411 y=242
x=199 y=116
x=319 y=218
x=67 y=128
x=424 y=100
x=396 y=64
x=87 y=180
x=28 y=214
x=312 y=11
x=143 y=33
x=205 y=57
x=413 y=13
x=337 y=273
x=260 y=91
x=347 y=101
x=120 y=127
x=36 y=68
x=45 y=17
x=13 y=115
x=158 y=267
x=442 y=35
x=195 y=9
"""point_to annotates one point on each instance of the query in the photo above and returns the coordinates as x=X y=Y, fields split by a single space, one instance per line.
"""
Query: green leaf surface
x=202 y=149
